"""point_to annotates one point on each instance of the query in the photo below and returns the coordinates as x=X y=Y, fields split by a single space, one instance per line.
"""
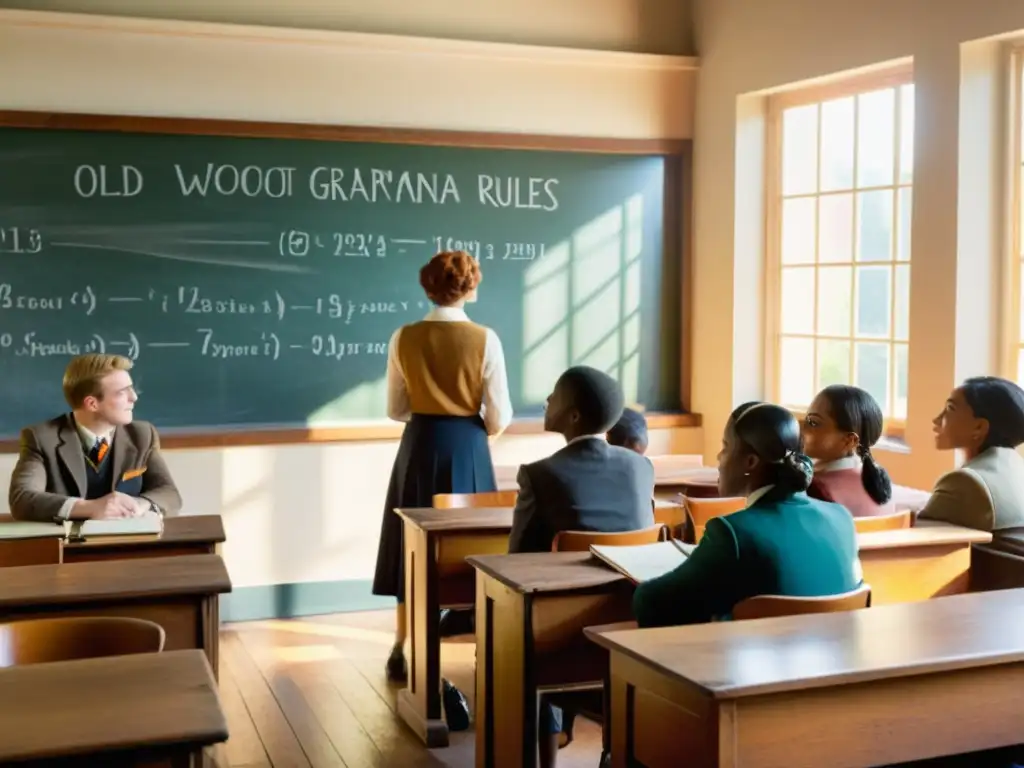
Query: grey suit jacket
x=986 y=493
x=51 y=468
x=586 y=486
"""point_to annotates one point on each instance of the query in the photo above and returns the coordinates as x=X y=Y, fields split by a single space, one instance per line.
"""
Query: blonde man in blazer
x=95 y=462
x=984 y=417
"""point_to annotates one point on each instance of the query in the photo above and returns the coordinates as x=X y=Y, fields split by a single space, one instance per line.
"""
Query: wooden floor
x=312 y=692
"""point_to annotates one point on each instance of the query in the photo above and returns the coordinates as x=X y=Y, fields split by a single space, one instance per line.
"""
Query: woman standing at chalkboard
x=446 y=379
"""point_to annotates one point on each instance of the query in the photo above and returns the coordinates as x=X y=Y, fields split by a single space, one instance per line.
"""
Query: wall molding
x=311 y=598
x=375 y=43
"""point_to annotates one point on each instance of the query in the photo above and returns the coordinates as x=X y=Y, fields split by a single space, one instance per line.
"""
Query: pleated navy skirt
x=438 y=454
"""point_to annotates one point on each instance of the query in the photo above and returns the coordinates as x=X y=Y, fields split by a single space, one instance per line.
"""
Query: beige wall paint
x=311 y=513
x=641 y=26
x=750 y=47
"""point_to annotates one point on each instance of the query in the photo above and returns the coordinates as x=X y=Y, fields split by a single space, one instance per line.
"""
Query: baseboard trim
x=289 y=601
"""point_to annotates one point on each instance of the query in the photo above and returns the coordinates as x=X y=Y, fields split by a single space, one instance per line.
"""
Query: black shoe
x=457 y=622
x=396 y=668
x=456 y=708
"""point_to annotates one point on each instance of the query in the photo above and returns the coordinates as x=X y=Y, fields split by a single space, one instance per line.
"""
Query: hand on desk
x=113 y=505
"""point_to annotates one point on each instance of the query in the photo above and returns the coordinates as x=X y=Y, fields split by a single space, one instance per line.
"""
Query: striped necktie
x=99 y=451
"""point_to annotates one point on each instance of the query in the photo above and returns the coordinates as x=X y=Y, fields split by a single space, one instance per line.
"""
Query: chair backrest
x=891 y=522
x=700 y=511
x=486 y=499
x=580 y=541
x=768 y=606
x=36 y=641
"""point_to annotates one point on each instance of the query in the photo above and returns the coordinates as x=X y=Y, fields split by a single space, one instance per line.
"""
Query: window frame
x=892 y=76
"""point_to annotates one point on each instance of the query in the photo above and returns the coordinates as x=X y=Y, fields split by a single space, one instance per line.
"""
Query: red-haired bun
x=450 y=276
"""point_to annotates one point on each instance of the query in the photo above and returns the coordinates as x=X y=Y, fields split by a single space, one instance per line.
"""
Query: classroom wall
x=302 y=521
x=747 y=48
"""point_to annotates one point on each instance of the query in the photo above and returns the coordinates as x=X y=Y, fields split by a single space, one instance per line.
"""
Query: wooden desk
x=155 y=707
x=437 y=542
x=178 y=593
x=530 y=613
x=183 y=535
x=859 y=688
x=929 y=560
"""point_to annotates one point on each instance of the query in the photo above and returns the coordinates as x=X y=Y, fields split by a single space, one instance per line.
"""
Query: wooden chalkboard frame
x=678 y=153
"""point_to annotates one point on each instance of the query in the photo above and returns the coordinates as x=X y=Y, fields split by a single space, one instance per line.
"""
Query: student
x=782 y=543
x=97 y=461
x=446 y=379
x=588 y=485
x=983 y=417
x=841 y=426
x=630 y=431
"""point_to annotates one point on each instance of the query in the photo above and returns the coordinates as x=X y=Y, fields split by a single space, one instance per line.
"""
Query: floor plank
x=312 y=692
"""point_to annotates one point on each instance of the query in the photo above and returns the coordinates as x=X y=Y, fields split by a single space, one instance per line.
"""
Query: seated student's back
x=588 y=485
x=782 y=543
x=840 y=428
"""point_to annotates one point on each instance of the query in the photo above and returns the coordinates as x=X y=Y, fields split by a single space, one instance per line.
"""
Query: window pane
x=902 y=319
x=833 y=363
x=876 y=127
x=872 y=367
x=874 y=226
x=796 y=371
x=899 y=409
x=1020 y=366
x=835 y=228
x=837 y=125
x=835 y=291
x=798 y=300
x=906 y=133
x=873 y=301
x=800 y=150
x=798 y=231
x=906 y=209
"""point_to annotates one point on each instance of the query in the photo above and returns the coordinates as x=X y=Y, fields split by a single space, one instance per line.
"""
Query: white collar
x=847 y=462
x=580 y=438
x=447 y=315
x=755 y=496
x=90 y=438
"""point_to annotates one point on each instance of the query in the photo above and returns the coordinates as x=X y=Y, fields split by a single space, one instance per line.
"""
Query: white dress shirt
x=89 y=440
x=846 y=462
x=497 y=405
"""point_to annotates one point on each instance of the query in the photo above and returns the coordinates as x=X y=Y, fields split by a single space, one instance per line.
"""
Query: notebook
x=124 y=526
x=21 y=529
x=643 y=562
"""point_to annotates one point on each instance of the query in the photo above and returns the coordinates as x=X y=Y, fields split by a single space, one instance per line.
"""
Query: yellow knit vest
x=443 y=364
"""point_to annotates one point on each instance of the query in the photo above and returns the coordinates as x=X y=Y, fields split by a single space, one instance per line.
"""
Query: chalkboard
x=256 y=279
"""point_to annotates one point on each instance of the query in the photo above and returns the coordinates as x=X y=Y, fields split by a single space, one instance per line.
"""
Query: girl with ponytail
x=842 y=424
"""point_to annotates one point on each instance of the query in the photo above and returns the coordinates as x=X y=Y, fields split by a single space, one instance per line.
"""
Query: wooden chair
x=486 y=499
x=768 y=606
x=892 y=522
x=580 y=541
x=36 y=641
x=699 y=511
x=672 y=462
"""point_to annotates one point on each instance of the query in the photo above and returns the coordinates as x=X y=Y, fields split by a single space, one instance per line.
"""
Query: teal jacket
x=795 y=546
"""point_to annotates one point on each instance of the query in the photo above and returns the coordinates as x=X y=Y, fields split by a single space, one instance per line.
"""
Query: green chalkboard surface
x=256 y=281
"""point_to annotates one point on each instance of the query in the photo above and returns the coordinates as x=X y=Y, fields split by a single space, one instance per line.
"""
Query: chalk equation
x=301 y=244
x=206 y=342
x=194 y=300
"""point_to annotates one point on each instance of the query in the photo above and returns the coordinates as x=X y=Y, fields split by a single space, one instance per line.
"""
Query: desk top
x=921 y=535
x=149 y=700
x=141 y=578
x=547 y=571
x=461 y=519
x=186 y=529
x=734 y=659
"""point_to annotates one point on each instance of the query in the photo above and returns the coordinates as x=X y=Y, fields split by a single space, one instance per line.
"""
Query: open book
x=148 y=524
x=644 y=562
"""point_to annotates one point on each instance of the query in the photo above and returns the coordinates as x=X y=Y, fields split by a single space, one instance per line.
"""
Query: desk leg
x=506 y=699
x=618 y=693
x=419 y=705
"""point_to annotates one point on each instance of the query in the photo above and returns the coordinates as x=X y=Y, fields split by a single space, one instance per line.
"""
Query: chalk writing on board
x=207 y=342
x=84 y=299
x=326 y=184
x=20 y=240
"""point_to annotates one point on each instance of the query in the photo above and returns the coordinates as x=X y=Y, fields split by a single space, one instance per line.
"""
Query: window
x=1015 y=329
x=839 y=233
